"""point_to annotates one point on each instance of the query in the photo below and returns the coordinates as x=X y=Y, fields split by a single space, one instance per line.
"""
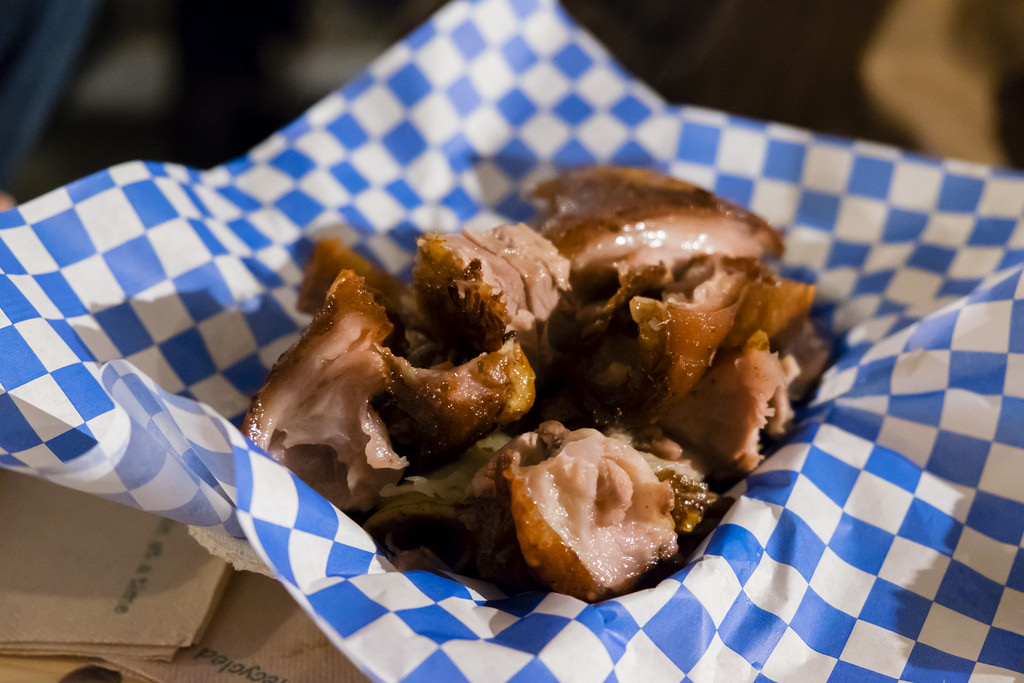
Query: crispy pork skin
x=601 y=217
x=330 y=257
x=438 y=412
x=774 y=305
x=314 y=414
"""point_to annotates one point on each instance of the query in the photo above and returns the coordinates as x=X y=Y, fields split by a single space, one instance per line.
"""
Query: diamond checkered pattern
x=140 y=308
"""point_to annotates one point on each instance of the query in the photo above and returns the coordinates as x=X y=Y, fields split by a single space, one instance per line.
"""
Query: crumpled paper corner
x=71 y=587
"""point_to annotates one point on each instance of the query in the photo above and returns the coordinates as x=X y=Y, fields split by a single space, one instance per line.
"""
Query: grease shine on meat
x=545 y=406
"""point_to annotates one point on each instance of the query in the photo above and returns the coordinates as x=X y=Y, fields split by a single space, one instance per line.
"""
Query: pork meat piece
x=480 y=286
x=314 y=412
x=592 y=518
x=436 y=413
x=633 y=375
x=487 y=512
x=587 y=511
x=602 y=217
x=720 y=419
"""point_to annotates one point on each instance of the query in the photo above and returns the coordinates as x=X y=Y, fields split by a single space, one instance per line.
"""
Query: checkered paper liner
x=141 y=306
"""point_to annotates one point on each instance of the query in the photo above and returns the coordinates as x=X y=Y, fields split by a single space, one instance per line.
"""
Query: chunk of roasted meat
x=437 y=412
x=743 y=392
x=603 y=217
x=349 y=416
x=664 y=276
x=314 y=414
x=487 y=511
x=590 y=514
x=478 y=287
x=717 y=304
x=656 y=343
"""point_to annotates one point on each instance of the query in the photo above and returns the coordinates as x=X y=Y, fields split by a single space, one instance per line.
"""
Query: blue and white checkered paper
x=140 y=308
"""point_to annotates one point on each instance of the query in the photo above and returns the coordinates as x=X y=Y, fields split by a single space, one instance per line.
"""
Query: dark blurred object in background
x=787 y=60
x=227 y=99
x=40 y=41
x=200 y=83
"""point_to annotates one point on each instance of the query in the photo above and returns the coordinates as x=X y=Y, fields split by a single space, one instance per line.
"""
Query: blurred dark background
x=202 y=82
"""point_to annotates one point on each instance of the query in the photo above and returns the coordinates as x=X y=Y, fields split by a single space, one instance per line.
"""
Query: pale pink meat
x=530 y=270
x=604 y=504
x=743 y=392
x=314 y=413
x=480 y=286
